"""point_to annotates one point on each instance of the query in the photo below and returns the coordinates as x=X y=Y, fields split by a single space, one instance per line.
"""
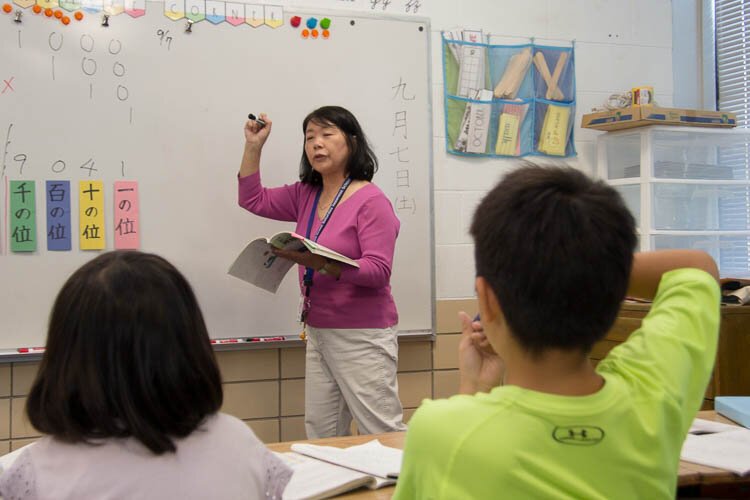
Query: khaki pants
x=351 y=373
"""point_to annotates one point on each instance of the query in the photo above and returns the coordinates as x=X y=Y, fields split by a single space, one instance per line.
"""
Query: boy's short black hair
x=556 y=247
x=362 y=163
x=127 y=354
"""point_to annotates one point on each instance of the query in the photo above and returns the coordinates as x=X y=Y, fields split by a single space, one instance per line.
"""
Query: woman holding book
x=128 y=395
x=348 y=312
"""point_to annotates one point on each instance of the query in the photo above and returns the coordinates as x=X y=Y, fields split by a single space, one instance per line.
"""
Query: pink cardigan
x=364 y=228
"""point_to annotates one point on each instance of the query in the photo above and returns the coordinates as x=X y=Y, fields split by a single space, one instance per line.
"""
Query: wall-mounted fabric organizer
x=508 y=100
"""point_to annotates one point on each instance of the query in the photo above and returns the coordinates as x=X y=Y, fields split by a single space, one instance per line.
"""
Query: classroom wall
x=619 y=44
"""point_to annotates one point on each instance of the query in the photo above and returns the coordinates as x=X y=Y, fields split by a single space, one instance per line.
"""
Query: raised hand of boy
x=480 y=367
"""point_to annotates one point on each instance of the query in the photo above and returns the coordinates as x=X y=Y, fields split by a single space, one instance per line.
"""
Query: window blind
x=733 y=87
x=732 y=57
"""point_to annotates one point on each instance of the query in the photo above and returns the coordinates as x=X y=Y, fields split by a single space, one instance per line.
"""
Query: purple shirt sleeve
x=281 y=203
x=377 y=229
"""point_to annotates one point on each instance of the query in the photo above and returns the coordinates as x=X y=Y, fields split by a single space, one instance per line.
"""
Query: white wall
x=619 y=44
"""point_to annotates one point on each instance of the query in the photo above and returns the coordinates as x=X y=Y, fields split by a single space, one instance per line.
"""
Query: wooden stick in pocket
x=541 y=65
x=552 y=89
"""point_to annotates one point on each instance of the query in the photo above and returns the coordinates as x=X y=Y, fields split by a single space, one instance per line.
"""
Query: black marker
x=256 y=120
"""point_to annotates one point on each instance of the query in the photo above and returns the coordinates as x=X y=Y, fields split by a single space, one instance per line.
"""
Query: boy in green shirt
x=535 y=419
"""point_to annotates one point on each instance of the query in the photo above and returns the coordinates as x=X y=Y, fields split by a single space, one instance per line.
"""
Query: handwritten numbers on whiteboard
x=20 y=158
x=412 y=6
x=115 y=46
x=379 y=3
x=88 y=66
x=164 y=39
x=87 y=43
x=55 y=41
x=58 y=166
x=89 y=165
x=122 y=93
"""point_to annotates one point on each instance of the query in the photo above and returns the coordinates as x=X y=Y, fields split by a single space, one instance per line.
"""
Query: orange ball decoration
x=36 y=9
x=78 y=16
x=7 y=8
x=65 y=20
x=48 y=12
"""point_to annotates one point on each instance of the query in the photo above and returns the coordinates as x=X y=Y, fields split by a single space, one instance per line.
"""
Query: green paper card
x=22 y=216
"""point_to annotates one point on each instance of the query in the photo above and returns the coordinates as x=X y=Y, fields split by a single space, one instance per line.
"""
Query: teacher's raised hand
x=256 y=132
x=255 y=137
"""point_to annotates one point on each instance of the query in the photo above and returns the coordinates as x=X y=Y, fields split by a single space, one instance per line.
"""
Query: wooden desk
x=693 y=480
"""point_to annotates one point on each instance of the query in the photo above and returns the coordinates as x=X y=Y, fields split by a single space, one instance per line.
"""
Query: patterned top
x=222 y=459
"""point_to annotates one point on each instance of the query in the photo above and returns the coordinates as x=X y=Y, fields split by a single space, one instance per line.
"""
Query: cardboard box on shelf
x=638 y=116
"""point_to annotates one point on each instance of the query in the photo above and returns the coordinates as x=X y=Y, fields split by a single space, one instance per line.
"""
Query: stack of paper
x=718 y=445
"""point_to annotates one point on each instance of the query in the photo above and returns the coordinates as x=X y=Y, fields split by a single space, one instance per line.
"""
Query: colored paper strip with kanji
x=59 y=228
x=91 y=220
x=22 y=215
x=127 y=215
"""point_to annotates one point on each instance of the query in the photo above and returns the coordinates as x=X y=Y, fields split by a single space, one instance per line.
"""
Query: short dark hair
x=362 y=163
x=556 y=247
x=127 y=354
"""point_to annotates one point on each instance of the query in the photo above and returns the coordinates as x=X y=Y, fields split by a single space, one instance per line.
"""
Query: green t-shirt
x=622 y=442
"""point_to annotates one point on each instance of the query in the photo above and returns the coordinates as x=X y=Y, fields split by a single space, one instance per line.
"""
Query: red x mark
x=8 y=85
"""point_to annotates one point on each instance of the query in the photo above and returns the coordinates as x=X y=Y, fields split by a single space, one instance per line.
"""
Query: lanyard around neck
x=308 y=270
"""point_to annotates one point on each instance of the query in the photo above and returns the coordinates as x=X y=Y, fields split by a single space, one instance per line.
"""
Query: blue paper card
x=57 y=194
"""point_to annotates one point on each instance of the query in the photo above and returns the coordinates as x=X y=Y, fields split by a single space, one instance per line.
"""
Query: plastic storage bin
x=687 y=187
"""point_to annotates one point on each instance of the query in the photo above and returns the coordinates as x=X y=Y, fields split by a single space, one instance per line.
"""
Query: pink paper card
x=127 y=222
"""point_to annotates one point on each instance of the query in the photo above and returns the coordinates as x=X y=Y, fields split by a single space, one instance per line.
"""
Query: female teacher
x=349 y=312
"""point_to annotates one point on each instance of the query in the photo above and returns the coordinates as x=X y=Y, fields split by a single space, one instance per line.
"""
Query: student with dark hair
x=535 y=419
x=349 y=313
x=128 y=394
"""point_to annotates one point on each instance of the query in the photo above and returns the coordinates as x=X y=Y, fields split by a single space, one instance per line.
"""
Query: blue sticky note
x=59 y=228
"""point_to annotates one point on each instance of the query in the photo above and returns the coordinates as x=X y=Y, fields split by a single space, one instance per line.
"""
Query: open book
x=326 y=471
x=257 y=265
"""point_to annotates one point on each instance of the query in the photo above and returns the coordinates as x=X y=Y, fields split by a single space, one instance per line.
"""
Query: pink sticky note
x=127 y=221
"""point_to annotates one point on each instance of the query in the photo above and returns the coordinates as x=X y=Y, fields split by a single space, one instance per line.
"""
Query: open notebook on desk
x=718 y=445
x=326 y=471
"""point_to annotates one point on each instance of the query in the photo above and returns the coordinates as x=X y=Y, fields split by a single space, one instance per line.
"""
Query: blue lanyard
x=308 y=270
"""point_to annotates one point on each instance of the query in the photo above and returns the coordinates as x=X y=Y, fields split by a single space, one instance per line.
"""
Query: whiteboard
x=144 y=100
